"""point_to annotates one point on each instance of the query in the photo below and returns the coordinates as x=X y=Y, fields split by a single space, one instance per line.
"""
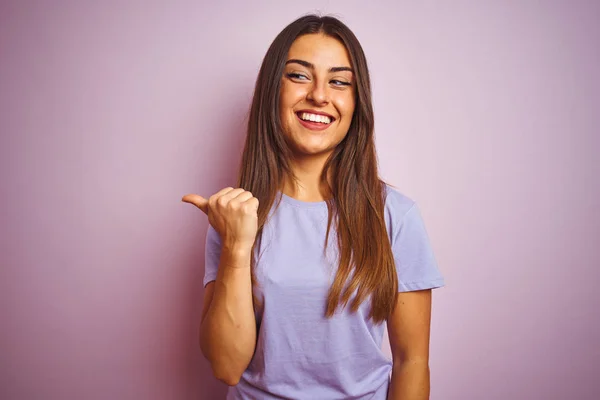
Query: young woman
x=312 y=254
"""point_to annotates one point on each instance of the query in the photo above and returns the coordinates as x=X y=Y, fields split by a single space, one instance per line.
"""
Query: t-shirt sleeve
x=212 y=255
x=415 y=263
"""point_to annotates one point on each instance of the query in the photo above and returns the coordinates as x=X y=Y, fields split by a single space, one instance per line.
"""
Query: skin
x=228 y=324
x=408 y=330
x=314 y=86
x=228 y=328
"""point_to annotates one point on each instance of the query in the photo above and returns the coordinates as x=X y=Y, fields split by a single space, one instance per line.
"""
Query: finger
x=198 y=201
x=253 y=201
x=223 y=191
x=227 y=197
x=243 y=196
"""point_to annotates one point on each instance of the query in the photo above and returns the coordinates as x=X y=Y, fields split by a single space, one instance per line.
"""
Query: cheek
x=346 y=107
x=290 y=95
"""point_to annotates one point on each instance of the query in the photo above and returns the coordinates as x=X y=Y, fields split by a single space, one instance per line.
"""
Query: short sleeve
x=415 y=262
x=212 y=255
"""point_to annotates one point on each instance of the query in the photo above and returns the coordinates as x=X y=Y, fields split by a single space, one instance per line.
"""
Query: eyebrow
x=311 y=66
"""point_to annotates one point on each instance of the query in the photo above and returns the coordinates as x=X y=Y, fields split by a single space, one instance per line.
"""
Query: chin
x=305 y=144
x=312 y=151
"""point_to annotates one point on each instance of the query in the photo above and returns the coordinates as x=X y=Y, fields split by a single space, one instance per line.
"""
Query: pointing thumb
x=198 y=201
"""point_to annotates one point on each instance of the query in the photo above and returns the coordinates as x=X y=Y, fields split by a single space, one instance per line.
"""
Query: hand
x=233 y=213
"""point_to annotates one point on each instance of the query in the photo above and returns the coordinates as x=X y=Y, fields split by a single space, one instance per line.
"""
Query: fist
x=232 y=212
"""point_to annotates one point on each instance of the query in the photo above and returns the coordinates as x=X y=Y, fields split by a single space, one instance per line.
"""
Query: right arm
x=228 y=327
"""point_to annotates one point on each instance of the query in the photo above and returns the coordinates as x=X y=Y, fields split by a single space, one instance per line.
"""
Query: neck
x=307 y=186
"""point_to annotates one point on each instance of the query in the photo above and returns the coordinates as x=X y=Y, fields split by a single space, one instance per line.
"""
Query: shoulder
x=397 y=204
x=401 y=212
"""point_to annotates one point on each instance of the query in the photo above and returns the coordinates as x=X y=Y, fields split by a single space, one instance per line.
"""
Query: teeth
x=315 y=118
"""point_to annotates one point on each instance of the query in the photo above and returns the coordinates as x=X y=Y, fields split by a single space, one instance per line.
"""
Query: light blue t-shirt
x=301 y=354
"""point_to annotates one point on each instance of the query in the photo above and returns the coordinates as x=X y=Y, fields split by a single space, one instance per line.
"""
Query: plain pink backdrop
x=486 y=114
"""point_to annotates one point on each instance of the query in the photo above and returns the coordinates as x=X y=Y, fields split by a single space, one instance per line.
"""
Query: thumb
x=196 y=200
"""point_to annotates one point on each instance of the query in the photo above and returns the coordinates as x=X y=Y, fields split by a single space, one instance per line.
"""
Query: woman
x=312 y=253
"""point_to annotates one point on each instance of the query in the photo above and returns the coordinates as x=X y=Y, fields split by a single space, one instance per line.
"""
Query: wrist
x=236 y=254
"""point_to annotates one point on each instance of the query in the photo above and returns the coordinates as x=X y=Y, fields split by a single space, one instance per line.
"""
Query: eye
x=295 y=75
x=336 y=82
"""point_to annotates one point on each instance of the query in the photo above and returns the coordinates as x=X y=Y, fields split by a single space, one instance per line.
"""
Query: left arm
x=408 y=330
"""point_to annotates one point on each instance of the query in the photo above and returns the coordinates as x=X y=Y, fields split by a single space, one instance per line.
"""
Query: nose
x=318 y=93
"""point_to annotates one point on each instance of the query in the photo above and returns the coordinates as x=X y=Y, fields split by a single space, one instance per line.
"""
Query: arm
x=408 y=330
x=228 y=327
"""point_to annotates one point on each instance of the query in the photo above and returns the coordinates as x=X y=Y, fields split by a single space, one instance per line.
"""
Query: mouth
x=316 y=121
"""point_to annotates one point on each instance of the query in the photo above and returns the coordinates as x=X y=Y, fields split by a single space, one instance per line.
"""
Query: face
x=317 y=96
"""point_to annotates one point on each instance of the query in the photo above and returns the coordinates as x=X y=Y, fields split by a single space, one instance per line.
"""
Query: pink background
x=109 y=113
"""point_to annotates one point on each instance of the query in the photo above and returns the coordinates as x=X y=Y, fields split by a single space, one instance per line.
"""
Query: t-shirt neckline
x=302 y=204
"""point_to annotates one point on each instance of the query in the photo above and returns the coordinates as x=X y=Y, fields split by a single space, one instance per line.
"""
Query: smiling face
x=317 y=96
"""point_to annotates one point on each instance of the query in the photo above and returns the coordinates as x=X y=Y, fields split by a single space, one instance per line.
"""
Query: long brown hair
x=366 y=265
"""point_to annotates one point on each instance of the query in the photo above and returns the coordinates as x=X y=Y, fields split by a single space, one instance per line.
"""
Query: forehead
x=321 y=50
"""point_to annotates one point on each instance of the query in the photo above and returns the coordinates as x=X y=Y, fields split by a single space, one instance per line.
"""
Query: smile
x=315 y=122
